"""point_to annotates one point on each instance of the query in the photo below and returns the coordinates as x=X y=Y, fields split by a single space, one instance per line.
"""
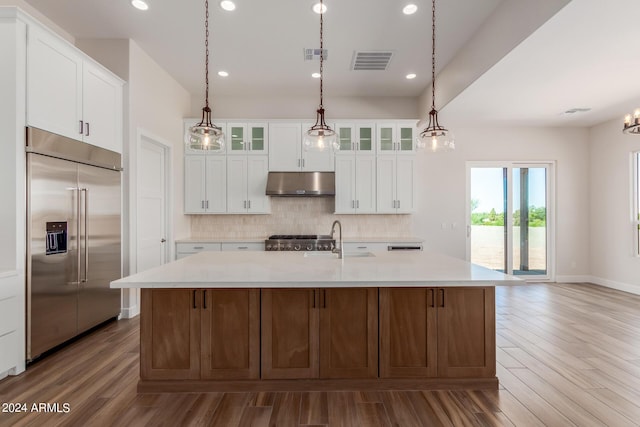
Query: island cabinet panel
x=466 y=332
x=191 y=334
x=408 y=333
x=289 y=333
x=437 y=332
x=349 y=333
x=230 y=334
x=319 y=333
x=169 y=335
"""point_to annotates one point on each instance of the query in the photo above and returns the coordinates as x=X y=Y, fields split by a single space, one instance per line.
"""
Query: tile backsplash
x=298 y=215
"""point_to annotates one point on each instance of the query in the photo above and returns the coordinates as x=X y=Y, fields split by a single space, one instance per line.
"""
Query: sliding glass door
x=508 y=217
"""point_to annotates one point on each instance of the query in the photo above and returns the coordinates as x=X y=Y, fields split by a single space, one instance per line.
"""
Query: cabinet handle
x=81 y=127
x=207 y=204
x=198 y=247
x=324 y=298
x=244 y=202
x=314 y=299
x=362 y=247
x=243 y=248
x=303 y=163
x=202 y=204
x=398 y=204
x=357 y=204
x=87 y=127
x=298 y=162
x=204 y=299
x=249 y=204
x=441 y=297
x=352 y=205
x=432 y=298
x=194 y=299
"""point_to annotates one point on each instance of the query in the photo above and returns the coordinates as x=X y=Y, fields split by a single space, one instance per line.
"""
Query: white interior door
x=152 y=205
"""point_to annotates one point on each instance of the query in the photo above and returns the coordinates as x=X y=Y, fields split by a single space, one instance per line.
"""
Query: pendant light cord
x=206 y=54
x=321 y=53
x=433 y=55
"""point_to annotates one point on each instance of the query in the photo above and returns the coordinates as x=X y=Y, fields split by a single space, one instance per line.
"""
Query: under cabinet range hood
x=301 y=184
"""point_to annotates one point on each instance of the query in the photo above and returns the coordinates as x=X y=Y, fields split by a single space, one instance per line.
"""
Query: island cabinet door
x=230 y=344
x=169 y=334
x=408 y=333
x=466 y=332
x=349 y=333
x=289 y=333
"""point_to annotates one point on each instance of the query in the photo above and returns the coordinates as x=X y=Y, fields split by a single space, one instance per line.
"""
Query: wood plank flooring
x=568 y=355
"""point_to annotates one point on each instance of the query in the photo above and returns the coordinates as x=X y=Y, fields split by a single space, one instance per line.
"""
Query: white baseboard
x=574 y=279
x=626 y=287
x=129 y=312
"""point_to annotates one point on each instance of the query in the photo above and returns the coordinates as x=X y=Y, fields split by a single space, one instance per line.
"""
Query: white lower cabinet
x=355 y=184
x=246 y=184
x=205 y=187
x=184 y=249
x=395 y=184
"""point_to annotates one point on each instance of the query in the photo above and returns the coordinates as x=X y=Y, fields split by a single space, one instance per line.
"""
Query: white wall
x=441 y=188
x=611 y=258
x=157 y=105
x=291 y=107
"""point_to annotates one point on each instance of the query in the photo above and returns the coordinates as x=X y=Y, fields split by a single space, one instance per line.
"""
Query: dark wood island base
x=322 y=339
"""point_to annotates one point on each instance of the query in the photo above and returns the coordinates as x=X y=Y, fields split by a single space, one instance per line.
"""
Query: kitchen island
x=229 y=321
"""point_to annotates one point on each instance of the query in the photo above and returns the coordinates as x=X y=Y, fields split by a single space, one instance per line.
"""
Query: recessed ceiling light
x=315 y=75
x=411 y=76
x=228 y=5
x=223 y=74
x=139 y=4
x=409 y=9
x=316 y=8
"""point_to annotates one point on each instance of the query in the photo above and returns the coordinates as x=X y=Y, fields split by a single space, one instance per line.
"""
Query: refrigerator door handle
x=85 y=214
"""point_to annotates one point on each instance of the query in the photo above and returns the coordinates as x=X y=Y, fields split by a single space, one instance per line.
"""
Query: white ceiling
x=261 y=43
x=585 y=56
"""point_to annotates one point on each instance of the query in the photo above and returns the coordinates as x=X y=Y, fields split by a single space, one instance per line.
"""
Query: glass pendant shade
x=435 y=138
x=320 y=136
x=205 y=135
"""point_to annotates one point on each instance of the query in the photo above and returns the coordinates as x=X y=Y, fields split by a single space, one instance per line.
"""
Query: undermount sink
x=335 y=256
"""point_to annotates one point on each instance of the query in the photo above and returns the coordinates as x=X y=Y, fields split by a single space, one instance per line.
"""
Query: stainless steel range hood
x=301 y=184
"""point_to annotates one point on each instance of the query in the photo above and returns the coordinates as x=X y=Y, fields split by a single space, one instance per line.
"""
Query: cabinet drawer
x=191 y=248
x=365 y=247
x=249 y=246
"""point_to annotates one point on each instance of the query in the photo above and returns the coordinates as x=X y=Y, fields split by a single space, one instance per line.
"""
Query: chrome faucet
x=339 y=249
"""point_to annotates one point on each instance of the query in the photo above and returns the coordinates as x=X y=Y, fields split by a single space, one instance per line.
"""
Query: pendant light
x=632 y=126
x=320 y=136
x=434 y=137
x=205 y=135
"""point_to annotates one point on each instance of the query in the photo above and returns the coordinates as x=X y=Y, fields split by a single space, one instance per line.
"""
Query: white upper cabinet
x=396 y=137
x=395 y=184
x=355 y=184
x=71 y=95
x=286 y=153
x=356 y=137
x=102 y=108
x=246 y=184
x=205 y=184
x=249 y=138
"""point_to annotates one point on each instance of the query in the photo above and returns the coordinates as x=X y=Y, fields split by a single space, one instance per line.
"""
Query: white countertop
x=293 y=269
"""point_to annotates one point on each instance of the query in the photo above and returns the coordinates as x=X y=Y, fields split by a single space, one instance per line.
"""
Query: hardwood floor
x=567 y=355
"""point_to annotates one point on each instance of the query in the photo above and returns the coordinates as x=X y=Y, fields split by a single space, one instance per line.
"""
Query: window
x=636 y=202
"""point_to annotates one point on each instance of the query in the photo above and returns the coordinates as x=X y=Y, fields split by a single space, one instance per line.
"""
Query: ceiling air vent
x=314 y=54
x=371 y=60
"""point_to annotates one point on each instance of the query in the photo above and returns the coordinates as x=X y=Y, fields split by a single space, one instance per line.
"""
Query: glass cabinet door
x=345 y=137
x=258 y=138
x=235 y=138
x=366 y=138
x=386 y=138
x=406 y=138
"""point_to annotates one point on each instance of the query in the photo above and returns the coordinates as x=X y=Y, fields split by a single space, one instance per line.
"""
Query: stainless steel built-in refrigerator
x=73 y=238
